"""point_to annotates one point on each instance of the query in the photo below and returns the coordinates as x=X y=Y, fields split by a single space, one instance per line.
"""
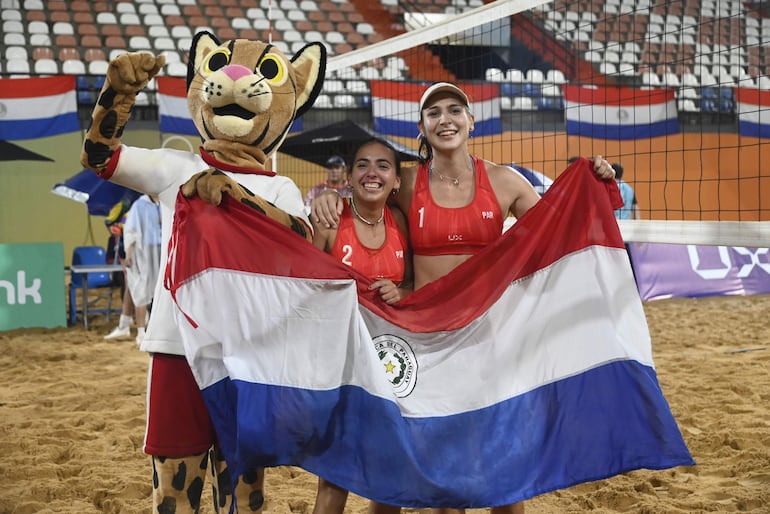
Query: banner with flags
x=38 y=107
x=395 y=107
x=753 y=107
x=529 y=366
x=619 y=112
x=174 y=113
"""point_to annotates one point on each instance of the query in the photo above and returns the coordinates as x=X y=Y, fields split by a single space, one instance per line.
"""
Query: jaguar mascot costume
x=243 y=96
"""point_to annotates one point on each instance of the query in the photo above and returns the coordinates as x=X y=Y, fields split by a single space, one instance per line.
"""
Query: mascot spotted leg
x=243 y=97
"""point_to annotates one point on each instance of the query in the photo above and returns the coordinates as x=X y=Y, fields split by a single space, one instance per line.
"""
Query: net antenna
x=703 y=184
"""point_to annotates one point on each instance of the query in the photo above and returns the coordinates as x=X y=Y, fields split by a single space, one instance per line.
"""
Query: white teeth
x=371 y=186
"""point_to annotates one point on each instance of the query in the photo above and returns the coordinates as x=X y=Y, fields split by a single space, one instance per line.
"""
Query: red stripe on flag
x=412 y=92
x=36 y=87
x=616 y=96
x=172 y=86
x=575 y=213
x=752 y=96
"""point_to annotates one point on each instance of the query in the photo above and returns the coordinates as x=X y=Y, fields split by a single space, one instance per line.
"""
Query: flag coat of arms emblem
x=529 y=367
x=619 y=112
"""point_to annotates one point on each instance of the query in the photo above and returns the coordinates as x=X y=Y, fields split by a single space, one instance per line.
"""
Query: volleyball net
x=677 y=92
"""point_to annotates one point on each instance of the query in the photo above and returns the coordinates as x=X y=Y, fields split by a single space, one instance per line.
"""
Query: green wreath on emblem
x=402 y=366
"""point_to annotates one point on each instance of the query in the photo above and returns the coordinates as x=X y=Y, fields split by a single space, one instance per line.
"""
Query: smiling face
x=446 y=121
x=374 y=173
x=248 y=92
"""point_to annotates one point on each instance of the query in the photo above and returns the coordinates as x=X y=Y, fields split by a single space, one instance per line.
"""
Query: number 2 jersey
x=386 y=261
x=437 y=230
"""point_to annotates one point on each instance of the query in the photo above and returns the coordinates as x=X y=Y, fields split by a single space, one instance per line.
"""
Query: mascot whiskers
x=243 y=96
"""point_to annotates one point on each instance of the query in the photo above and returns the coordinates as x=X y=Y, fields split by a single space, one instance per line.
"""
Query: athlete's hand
x=326 y=208
x=603 y=168
x=389 y=292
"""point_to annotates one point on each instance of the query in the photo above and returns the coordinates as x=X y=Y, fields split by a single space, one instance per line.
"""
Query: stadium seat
x=510 y=88
x=687 y=105
x=94 y=255
x=14 y=26
x=15 y=52
x=106 y=18
x=164 y=43
x=46 y=67
x=73 y=67
x=176 y=69
x=523 y=103
x=139 y=43
x=513 y=75
x=357 y=86
x=14 y=39
x=94 y=54
x=554 y=76
x=494 y=75
x=98 y=67
x=17 y=67
x=323 y=101
x=345 y=101
x=535 y=76
x=726 y=105
x=40 y=40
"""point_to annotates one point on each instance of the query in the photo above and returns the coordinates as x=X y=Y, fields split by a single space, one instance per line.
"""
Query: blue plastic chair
x=90 y=255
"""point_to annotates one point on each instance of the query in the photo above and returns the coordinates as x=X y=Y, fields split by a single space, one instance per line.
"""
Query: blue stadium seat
x=550 y=103
x=726 y=105
x=510 y=89
x=726 y=92
x=709 y=105
x=532 y=90
x=86 y=97
x=90 y=255
x=83 y=83
x=709 y=93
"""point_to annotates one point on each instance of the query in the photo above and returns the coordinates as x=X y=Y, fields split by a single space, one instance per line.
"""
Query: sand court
x=72 y=422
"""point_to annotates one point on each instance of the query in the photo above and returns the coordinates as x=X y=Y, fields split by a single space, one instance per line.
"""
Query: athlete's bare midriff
x=428 y=268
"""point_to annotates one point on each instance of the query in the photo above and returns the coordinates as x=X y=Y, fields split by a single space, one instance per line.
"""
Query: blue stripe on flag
x=40 y=127
x=604 y=131
x=174 y=125
x=751 y=129
x=550 y=438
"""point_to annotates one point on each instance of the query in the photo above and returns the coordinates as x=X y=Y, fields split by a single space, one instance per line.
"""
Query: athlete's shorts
x=178 y=423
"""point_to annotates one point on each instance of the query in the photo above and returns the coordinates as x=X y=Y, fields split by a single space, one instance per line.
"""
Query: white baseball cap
x=443 y=87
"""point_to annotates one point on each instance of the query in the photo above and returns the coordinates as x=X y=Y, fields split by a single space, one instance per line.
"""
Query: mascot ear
x=310 y=67
x=202 y=44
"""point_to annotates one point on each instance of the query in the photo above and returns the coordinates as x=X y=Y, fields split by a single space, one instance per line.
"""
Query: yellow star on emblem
x=389 y=367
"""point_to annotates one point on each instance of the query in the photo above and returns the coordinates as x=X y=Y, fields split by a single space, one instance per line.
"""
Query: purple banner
x=687 y=271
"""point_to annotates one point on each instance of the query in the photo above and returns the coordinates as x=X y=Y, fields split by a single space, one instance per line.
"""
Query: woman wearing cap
x=455 y=203
x=371 y=237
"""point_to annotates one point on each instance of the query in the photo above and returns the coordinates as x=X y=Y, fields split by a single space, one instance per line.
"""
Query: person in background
x=335 y=180
x=116 y=254
x=142 y=239
x=455 y=203
x=630 y=209
x=371 y=237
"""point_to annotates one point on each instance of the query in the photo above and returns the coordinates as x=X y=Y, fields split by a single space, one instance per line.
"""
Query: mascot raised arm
x=243 y=97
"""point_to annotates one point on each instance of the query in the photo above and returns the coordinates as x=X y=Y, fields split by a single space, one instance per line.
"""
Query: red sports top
x=386 y=261
x=436 y=230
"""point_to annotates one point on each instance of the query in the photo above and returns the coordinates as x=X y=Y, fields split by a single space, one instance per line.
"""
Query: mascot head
x=244 y=95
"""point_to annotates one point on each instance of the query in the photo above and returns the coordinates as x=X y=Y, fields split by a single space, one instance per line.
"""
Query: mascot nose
x=236 y=71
